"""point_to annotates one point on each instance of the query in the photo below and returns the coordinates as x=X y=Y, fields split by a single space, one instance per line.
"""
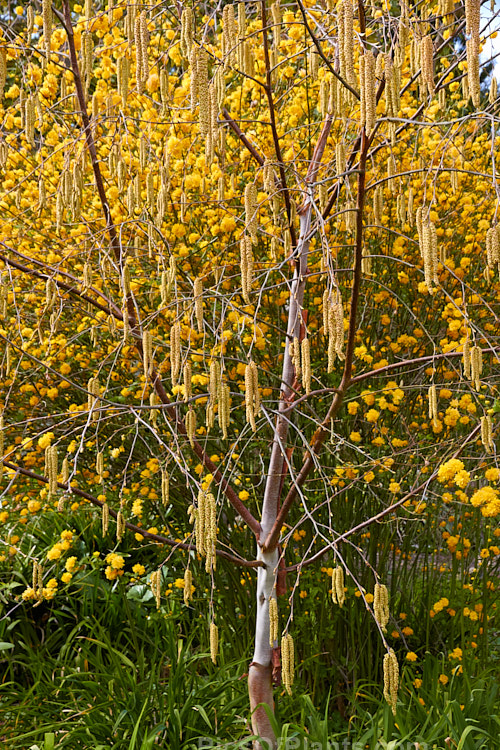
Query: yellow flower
x=372 y=415
x=138 y=569
x=443 y=679
x=447 y=471
x=411 y=656
x=417 y=682
x=45 y=440
x=71 y=563
x=66 y=577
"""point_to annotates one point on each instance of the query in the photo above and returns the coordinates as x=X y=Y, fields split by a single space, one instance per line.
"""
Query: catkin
x=287 y=662
x=493 y=247
x=391 y=679
x=467 y=358
x=472 y=47
x=155 y=583
x=247 y=266
x=432 y=398
x=427 y=238
x=214 y=642
x=120 y=526
x=224 y=410
x=295 y=356
x=198 y=303
x=381 y=605
x=204 y=113
x=3 y=73
x=273 y=620
x=251 y=210
x=51 y=468
x=187 y=377
x=346 y=41
x=141 y=47
x=333 y=325
x=210 y=532
x=175 y=352
x=105 y=518
x=187 y=31
x=492 y=94
x=99 y=464
x=191 y=426
x=229 y=35
x=486 y=433
x=476 y=366
x=147 y=352
x=252 y=398
x=47 y=27
x=368 y=91
x=338 y=593
x=188 y=582
x=93 y=394
x=427 y=61
x=306 y=365
x=165 y=487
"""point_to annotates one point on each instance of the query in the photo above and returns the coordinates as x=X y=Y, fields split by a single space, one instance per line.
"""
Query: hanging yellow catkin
x=187 y=377
x=47 y=27
x=381 y=605
x=346 y=40
x=287 y=662
x=214 y=642
x=120 y=526
x=51 y=468
x=229 y=35
x=273 y=620
x=175 y=352
x=306 y=365
x=188 y=582
x=65 y=471
x=391 y=679
x=198 y=303
x=202 y=90
x=432 y=398
x=191 y=426
x=187 y=31
x=368 y=91
x=338 y=593
x=155 y=583
x=247 y=266
x=251 y=210
x=426 y=57
x=252 y=399
x=476 y=366
x=493 y=247
x=486 y=433
x=165 y=487
x=224 y=409
x=473 y=49
x=105 y=518
x=210 y=509
x=99 y=464
x=147 y=352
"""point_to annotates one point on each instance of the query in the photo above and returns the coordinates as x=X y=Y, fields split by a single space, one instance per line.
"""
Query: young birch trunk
x=260 y=686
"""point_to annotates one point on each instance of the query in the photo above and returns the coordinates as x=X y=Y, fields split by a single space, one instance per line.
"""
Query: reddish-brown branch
x=110 y=308
x=131 y=526
x=241 y=135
